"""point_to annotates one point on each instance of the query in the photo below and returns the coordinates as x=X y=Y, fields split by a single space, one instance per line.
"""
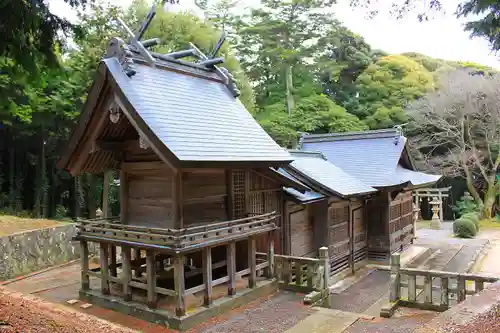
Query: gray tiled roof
x=371 y=156
x=416 y=178
x=314 y=167
x=196 y=118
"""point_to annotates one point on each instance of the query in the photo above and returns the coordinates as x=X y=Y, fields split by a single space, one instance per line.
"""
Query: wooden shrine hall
x=198 y=193
x=381 y=160
x=207 y=197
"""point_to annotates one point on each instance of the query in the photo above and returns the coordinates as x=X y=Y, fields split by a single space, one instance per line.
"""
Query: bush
x=474 y=217
x=465 y=205
x=464 y=228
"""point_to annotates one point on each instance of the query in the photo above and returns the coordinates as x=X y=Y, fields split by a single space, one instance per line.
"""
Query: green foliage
x=385 y=88
x=464 y=228
x=30 y=32
x=485 y=23
x=313 y=114
x=61 y=212
x=465 y=205
x=472 y=216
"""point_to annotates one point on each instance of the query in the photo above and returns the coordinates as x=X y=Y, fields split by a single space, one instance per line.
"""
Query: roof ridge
x=359 y=135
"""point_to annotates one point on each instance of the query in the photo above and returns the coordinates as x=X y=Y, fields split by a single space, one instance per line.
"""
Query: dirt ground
x=26 y=313
x=12 y=224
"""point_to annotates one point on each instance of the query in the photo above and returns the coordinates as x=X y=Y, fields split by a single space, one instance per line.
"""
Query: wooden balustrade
x=302 y=274
x=418 y=288
x=155 y=267
x=175 y=239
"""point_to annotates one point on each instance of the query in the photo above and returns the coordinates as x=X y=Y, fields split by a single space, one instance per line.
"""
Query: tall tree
x=276 y=41
x=457 y=130
x=387 y=86
x=342 y=56
x=30 y=31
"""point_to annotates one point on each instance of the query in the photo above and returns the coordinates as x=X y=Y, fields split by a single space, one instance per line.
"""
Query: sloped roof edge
x=361 y=135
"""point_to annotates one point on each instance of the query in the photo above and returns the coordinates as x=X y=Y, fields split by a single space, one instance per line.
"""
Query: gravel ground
x=488 y=322
x=26 y=313
x=273 y=314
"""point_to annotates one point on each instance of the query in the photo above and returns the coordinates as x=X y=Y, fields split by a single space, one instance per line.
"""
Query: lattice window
x=238 y=179
x=339 y=215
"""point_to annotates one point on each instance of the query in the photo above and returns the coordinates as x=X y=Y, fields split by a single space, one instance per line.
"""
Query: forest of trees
x=298 y=71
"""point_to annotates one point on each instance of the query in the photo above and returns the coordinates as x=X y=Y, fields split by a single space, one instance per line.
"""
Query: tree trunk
x=12 y=186
x=290 y=102
x=488 y=202
x=91 y=195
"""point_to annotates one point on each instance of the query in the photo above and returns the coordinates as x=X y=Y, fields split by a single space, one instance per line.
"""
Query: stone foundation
x=192 y=318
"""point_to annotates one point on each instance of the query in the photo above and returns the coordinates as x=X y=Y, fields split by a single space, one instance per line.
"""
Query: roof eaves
x=100 y=80
x=363 y=135
x=314 y=184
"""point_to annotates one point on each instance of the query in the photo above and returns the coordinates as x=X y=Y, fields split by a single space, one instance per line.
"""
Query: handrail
x=169 y=231
x=178 y=239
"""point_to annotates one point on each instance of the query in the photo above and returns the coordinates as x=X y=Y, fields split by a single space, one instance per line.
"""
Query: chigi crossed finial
x=136 y=47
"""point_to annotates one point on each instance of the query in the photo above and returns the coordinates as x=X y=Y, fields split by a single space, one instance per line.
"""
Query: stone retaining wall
x=30 y=251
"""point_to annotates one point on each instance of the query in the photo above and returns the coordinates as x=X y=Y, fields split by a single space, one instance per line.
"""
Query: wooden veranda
x=163 y=254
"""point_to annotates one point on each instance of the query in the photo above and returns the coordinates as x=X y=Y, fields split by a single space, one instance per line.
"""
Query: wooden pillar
x=84 y=257
x=105 y=212
x=113 y=266
x=285 y=230
x=270 y=255
x=230 y=194
x=178 y=211
x=180 y=309
x=123 y=197
x=137 y=259
x=151 y=279
x=323 y=255
x=252 y=249
x=105 y=194
x=444 y=292
x=126 y=273
x=207 y=275
x=103 y=256
x=461 y=289
x=231 y=268
x=428 y=289
x=395 y=292
x=412 y=288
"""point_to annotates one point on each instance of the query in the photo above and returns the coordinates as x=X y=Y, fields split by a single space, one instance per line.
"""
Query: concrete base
x=166 y=318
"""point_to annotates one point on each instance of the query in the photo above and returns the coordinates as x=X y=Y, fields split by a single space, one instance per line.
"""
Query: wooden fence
x=306 y=275
x=417 y=288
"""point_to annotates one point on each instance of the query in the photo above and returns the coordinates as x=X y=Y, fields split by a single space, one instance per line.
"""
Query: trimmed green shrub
x=474 y=217
x=464 y=228
x=465 y=205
